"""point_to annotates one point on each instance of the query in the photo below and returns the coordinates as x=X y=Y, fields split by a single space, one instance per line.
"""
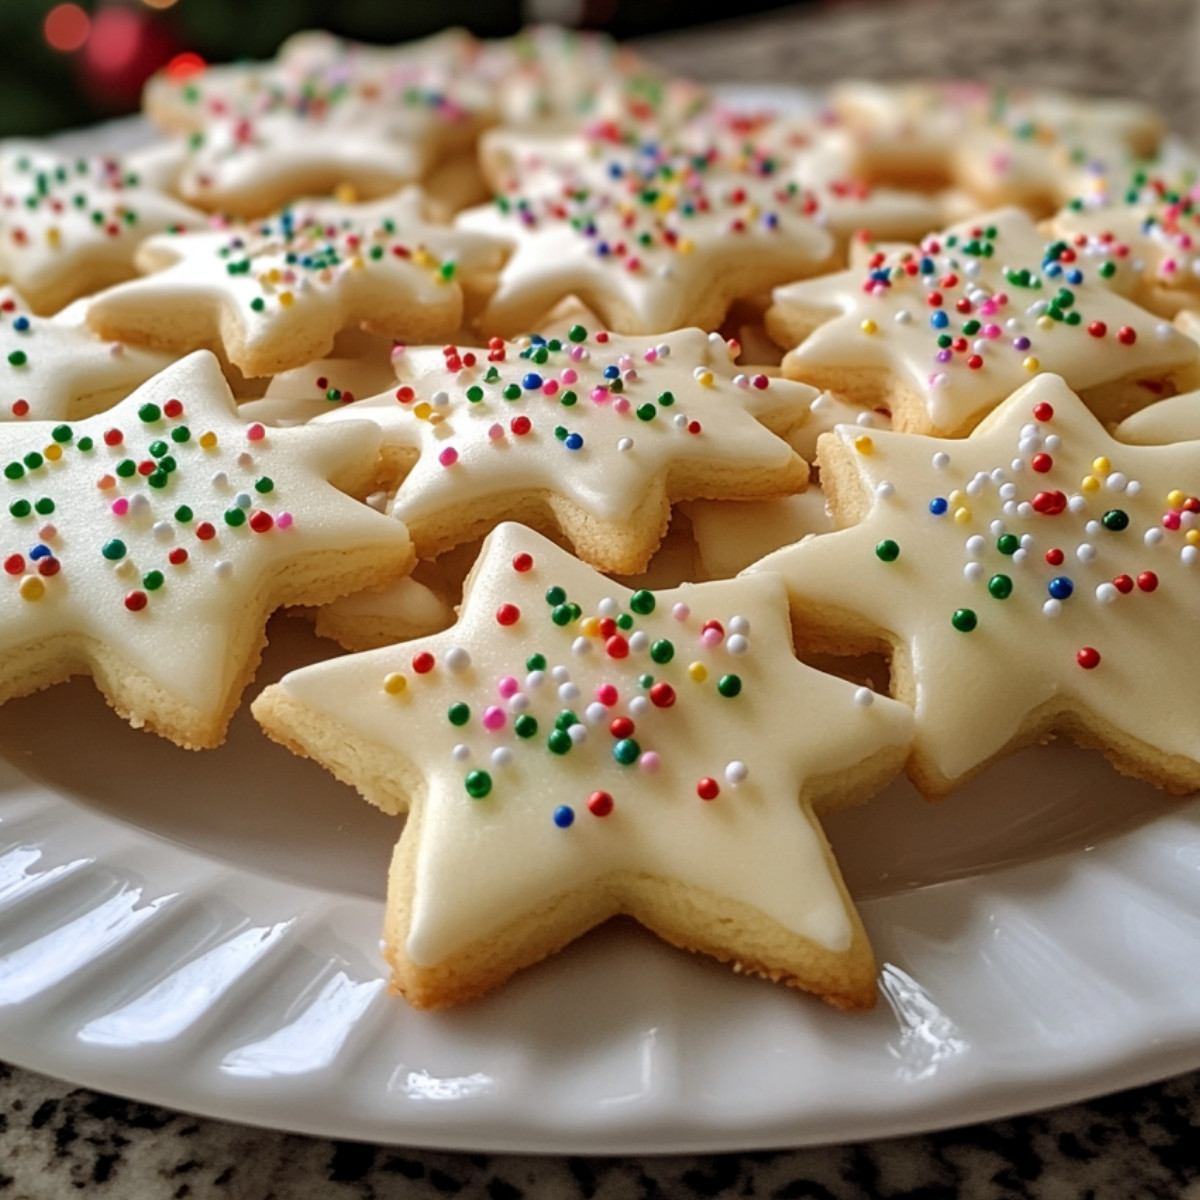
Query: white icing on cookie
x=276 y=291
x=71 y=225
x=667 y=735
x=55 y=368
x=145 y=538
x=949 y=328
x=1035 y=570
x=615 y=425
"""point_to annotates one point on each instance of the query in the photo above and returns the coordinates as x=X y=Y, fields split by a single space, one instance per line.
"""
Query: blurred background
x=66 y=64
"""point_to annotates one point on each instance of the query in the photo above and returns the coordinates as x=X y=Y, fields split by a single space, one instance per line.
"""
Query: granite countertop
x=58 y=1140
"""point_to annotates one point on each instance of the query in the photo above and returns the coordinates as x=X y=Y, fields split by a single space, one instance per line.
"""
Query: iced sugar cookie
x=148 y=545
x=1037 y=578
x=940 y=333
x=56 y=368
x=576 y=750
x=398 y=612
x=662 y=258
x=591 y=435
x=273 y=294
x=69 y=226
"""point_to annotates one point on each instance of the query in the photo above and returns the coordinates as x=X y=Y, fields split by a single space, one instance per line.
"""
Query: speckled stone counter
x=57 y=1140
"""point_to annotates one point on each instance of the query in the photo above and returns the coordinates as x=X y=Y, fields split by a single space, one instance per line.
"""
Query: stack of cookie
x=804 y=450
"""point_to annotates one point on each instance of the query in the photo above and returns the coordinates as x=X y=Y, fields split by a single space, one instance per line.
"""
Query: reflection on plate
x=201 y=930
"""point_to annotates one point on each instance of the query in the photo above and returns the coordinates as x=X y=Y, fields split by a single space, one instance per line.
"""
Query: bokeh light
x=66 y=28
x=115 y=41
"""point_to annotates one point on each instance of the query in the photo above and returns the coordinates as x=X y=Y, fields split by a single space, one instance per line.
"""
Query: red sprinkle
x=20 y=408
x=136 y=601
x=113 y=437
x=49 y=566
x=1043 y=411
x=708 y=789
x=1041 y=463
x=1054 y=556
x=1123 y=584
x=14 y=564
x=1088 y=658
x=177 y=557
x=1126 y=335
x=600 y=804
x=621 y=727
x=662 y=695
x=616 y=647
x=173 y=408
x=260 y=522
x=1050 y=504
x=422 y=663
x=1147 y=581
x=508 y=614
x=205 y=532
x=523 y=562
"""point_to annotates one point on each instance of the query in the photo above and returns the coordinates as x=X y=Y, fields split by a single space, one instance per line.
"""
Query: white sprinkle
x=941 y=460
x=864 y=697
x=735 y=773
x=736 y=644
x=139 y=503
x=1132 y=488
x=243 y=500
x=739 y=625
x=1027 y=445
x=997 y=476
x=973 y=572
x=220 y=480
x=1116 y=482
x=639 y=706
x=1152 y=536
x=974 y=487
x=125 y=568
x=518 y=702
x=1053 y=442
x=885 y=490
x=458 y=658
x=1052 y=607
x=223 y=568
x=163 y=531
x=903 y=317
x=664 y=350
x=680 y=420
x=1026 y=540
x=1164 y=330
x=1017 y=465
x=461 y=752
x=976 y=544
x=440 y=399
x=1019 y=556
x=1010 y=508
x=1093 y=528
x=608 y=607
x=866 y=419
x=581 y=646
x=245 y=459
x=1188 y=555
x=577 y=733
x=501 y=756
x=568 y=692
x=1077 y=503
x=560 y=674
x=535 y=679
x=996 y=528
x=596 y=712
x=1085 y=552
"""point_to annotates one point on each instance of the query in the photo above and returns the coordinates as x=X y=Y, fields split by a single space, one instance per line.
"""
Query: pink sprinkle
x=120 y=507
x=625 y=362
x=398 y=349
x=256 y=432
x=600 y=394
x=649 y=762
x=569 y=376
x=283 y=521
x=761 y=382
x=577 y=354
x=493 y=717
x=629 y=376
x=1171 y=520
x=496 y=432
x=621 y=404
x=987 y=308
x=448 y=457
x=991 y=331
x=550 y=387
x=681 y=612
x=651 y=354
x=711 y=638
x=607 y=694
x=47 y=533
x=508 y=687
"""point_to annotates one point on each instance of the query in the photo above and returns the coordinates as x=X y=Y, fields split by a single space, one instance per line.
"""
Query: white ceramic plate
x=200 y=930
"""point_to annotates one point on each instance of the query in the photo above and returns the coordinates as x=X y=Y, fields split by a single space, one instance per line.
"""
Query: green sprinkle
x=62 y=433
x=475 y=393
x=181 y=434
x=18 y=358
x=264 y=485
x=568 y=398
x=44 y=507
x=559 y=742
x=85 y=444
x=666 y=399
x=1008 y=543
x=577 y=333
x=535 y=662
x=1115 y=519
x=1000 y=586
x=183 y=514
x=126 y=468
x=114 y=551
x=887 y=551
x=964 y=620
x=642 y=602
x=20 y=508
x=14 y=470
x=235 y=517
x=662 y=651
x=729 y=686
x=512 y=392
x=525 y=726
x=478 y=784
x=149 y=413
x=152 y=581
x=459 y=714
x=626 y=751
x=555 y=596
x=646 y=412
x=258 y=304
x=33 y=460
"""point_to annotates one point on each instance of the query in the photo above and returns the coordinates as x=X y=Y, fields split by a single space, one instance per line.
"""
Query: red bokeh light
x=66 y=28
x=115 y=42
x=185 y=65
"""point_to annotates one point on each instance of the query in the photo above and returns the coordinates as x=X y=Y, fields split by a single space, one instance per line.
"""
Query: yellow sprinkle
x=1192 y=537
x=357 y=263
x=286 y=299
x=664 y=203
x=685 y=245
x=208 y=441
x=962 y=515
x=1175 y=498
x=957 y=498
x=868 y=326
x=436 y=418
x=53 y=452
x=32 y=588
x=421 y=411
x=423 y=258
x=752 y=212
x=698 y=672
x=864 y=444
x=704 y=378
x=590 y=626
x=345 y=193
x=1089 y=483
x=274 y=275
x=53 y=237
x=1032 y=364
x=1102 y=466
x=395 y=683
x=1045 y=322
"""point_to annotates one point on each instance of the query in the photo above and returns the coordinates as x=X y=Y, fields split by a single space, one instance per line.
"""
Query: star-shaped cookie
x=1038 y=577
x=594 y=435
x=571 y=750
x=665 y=256
x=147 y=546
x=56 y=368
x=69 y=226
x=274 y=293
x=942 y=332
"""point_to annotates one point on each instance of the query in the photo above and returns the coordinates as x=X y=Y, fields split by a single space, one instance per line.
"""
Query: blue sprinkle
x=939 y=319
x=927 y=267
x=537 y=339
x=771 y=220
x=531 y=382
x=1060 y=587
x=615 y=171
x=602 y=249
x=612 y=371
x=1074 y=275
x=40 y=551
x=1053 y=270
x=574 y=441
x=564 y=816
x=938 y=506
x=21 y=324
